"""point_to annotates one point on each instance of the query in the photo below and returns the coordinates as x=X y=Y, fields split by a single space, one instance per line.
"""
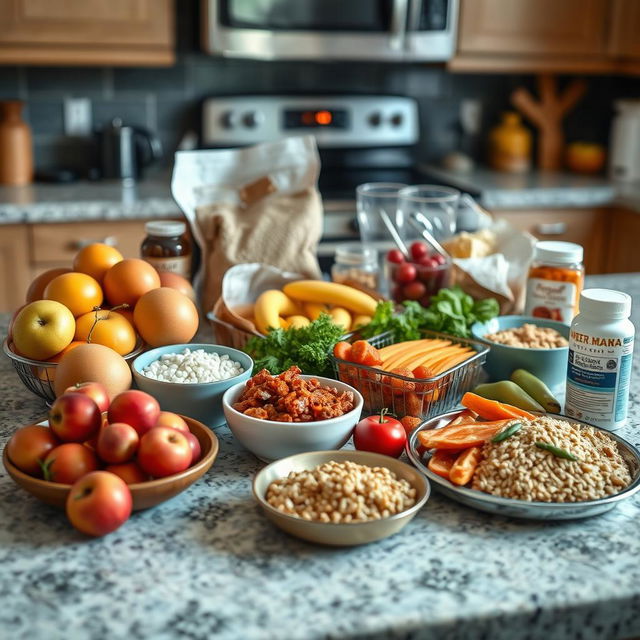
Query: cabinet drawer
x=586 y=227
x=58 y=243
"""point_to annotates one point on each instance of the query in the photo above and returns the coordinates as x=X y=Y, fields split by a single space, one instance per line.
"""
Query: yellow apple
x=42 y=329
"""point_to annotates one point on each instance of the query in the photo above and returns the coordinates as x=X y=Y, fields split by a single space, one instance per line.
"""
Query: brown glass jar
x=167 y=247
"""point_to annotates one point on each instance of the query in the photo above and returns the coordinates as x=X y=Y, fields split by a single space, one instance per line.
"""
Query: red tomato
x=418 y=250
x=69 y=462
x=414 y=290
x=29 y=446
x=164 y=451
x=395 y=256
x=137 y=408
x=406 y=273
x=99 y=503
x=380 y=434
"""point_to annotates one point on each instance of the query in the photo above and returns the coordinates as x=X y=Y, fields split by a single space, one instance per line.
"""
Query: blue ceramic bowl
x=202 y=401
x=550 y=365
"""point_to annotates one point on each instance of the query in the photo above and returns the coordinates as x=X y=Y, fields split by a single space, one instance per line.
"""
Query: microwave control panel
x=335 y=121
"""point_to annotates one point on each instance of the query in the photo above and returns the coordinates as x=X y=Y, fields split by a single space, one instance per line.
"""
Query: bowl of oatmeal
x=523 y=342
x=275 y=416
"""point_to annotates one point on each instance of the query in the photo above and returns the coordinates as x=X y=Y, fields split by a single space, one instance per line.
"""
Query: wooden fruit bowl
x=144 y=494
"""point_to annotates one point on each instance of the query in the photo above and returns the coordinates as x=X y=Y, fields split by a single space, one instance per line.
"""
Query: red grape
x=395 y=255
x=406 y=273
x=419 y=250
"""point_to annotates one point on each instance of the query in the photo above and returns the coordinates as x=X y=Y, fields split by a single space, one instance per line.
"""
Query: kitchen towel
x=255 y=204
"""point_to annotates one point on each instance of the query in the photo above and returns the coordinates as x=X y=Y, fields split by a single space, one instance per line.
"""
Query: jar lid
x=606 y=303
x=556 y=251
x=165 y=228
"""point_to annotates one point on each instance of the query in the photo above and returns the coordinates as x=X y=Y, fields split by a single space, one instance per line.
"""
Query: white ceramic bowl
x=270 y=440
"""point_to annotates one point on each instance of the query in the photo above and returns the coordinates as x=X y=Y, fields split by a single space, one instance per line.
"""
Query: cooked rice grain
x=516 y=468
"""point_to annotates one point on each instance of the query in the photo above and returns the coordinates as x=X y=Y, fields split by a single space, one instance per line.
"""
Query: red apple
x=95 y=390
x=99 y=503
x=196 y=449
x=29 y=446
x=117 y=443
x=74 y=417
x=136 y=408
x=164 y=451
x=169 y=419
x=69 y=462
x=130 y=472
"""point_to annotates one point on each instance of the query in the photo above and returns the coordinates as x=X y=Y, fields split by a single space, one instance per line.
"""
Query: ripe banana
x=333 y=293
x=271 y=305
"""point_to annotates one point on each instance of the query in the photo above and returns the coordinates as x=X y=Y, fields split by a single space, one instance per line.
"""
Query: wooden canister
x=16 y=148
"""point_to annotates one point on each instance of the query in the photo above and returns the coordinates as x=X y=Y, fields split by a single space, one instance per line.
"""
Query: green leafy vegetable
x=451 y=311
x=306 y=347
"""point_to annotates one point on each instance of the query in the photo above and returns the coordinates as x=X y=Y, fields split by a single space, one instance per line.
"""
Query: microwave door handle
x=415 y=14
x=398 y=24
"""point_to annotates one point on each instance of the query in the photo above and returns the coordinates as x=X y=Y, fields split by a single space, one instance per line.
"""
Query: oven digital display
x=316 y=118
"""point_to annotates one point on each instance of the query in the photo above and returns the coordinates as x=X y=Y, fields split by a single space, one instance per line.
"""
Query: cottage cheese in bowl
x=193 y=366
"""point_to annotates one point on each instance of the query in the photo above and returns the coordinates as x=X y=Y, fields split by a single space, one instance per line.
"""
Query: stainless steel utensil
x=393 y=233
x=418 y=221
x=521 y=508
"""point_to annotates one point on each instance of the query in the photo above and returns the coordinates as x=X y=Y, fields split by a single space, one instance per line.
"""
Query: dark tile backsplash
x=167 y=100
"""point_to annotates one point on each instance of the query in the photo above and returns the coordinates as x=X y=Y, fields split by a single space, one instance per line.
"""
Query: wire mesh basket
x=228 y=335
x=418 y=397
x=39 y=376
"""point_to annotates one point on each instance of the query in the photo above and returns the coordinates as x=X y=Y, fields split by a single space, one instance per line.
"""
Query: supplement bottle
x=555 y=280
x=167 y=247
x=600 y=352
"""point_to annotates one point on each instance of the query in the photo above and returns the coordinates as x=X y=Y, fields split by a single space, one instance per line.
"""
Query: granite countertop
x=208 y=564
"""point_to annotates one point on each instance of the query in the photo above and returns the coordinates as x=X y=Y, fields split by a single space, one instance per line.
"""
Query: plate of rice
x=549 y=468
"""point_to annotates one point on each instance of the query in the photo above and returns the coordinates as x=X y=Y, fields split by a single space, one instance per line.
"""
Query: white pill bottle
x=600 y=352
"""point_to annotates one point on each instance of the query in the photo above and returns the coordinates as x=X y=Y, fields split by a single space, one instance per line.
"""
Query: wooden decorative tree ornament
x=547 y=114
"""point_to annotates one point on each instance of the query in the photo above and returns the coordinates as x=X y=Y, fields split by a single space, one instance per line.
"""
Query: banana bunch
x=302 y=301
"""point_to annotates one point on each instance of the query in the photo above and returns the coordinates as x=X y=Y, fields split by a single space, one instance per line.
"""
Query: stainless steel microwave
x=392 y=30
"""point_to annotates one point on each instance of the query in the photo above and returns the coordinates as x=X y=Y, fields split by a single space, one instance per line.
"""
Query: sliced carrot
x=462 y=435
x=452 y=362
x=388 y=351
x=434 y=357
x=415 y=354
x=364 y=353
x=441 y=462
x=465 y=465
x=492 y=409
x=342 y=350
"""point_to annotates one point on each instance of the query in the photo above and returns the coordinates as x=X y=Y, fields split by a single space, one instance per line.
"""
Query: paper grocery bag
x=256 y=204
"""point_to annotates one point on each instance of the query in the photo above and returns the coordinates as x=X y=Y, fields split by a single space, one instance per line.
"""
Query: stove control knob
x=375 y=119
x=252 y=119
x=396 y=120
x=228 y=119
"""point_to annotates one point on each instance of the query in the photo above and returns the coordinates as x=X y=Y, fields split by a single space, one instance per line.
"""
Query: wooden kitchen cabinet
x=15 y=275
x=624 y=242
x=573 y=36
x=87 y=32
x=586 y=227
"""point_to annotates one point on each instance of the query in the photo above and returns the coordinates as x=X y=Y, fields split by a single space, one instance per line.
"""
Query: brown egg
x=93 y=363
x=165 y=316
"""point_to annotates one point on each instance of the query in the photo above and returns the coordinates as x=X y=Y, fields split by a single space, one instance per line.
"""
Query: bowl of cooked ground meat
x=522 y=342
x=275 y=416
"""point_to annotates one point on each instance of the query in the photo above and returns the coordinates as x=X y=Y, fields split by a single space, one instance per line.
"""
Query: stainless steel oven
x=393 y=30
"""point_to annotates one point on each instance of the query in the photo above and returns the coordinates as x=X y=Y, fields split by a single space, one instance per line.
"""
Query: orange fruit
x=93 y=363
x=37 y=287
x=108 y=328
x=78 y=292
x=175 y=281
x=165 y=316
x=128 y=280
x=96 y=259
x=48 y=374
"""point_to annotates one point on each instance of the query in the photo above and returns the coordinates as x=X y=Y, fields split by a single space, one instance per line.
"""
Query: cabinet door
x=623 y=255
x=14 y=266
x=544 y=27
x=586 y=227
x=86 y=31
x=625 y=29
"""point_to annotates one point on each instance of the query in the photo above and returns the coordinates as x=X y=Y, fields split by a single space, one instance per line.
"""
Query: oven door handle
x=415 y=13
x=398 y=31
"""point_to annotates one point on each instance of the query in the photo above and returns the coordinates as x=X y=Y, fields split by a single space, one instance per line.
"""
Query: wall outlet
x=77 y=116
